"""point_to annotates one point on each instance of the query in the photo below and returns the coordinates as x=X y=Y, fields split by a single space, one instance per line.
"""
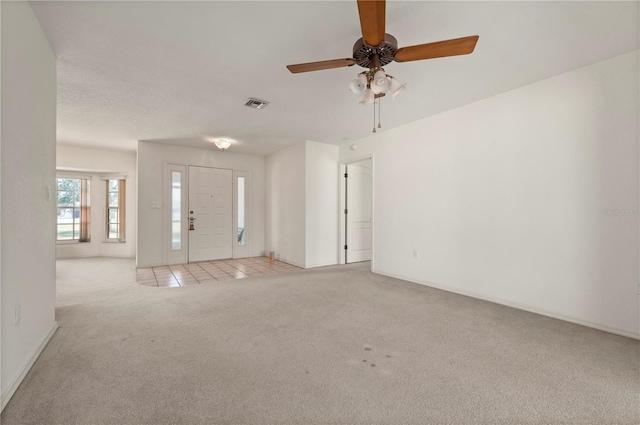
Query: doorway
x=358 y=211
x=208 y=214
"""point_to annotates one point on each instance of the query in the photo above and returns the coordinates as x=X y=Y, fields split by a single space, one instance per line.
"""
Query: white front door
x=210 y=217
x=359 y=210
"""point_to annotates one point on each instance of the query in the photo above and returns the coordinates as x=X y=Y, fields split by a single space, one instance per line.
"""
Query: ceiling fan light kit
x=376 y=81
x=376 y=49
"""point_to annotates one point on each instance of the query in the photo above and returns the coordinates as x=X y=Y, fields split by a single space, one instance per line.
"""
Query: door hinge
x=345 y=211
x=346 y=175
x=345 y=247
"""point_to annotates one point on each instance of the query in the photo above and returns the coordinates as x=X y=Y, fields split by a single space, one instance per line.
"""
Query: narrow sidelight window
x=241 y=211
x=116 y=193
x=176 y=206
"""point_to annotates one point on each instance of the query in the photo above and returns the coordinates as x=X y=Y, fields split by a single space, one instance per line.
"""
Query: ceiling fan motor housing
x=362 y=52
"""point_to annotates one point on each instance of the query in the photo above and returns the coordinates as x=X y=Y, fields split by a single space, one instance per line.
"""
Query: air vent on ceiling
x=256 y=103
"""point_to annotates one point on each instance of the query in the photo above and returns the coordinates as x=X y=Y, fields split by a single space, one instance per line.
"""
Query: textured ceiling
x=179 y=72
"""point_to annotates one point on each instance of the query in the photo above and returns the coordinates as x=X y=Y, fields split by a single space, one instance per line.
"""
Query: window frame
x=120 y=210
x=170 y=255
x=76 y=208
x=244 y=250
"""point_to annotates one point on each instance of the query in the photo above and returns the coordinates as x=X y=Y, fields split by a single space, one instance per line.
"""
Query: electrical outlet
x=416 y=254
x=17 y=314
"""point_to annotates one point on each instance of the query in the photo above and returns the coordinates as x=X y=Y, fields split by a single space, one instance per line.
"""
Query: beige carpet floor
x=337 y=345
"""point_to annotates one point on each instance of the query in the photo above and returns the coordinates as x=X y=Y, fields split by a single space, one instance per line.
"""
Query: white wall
x=321 y=201
x=285 y=204
x=27 y=178
x=151 y=160
x=302 y=204
x=507 y=198
x=96 y=163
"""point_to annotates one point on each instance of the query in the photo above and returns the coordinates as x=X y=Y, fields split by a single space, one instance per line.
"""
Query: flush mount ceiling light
x=222 y=143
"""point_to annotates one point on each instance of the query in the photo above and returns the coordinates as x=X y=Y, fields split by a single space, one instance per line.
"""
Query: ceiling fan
x=376 y=49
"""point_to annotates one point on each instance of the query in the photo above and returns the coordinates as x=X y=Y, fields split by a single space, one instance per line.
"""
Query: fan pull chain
x=374 y=115
x=379 y=106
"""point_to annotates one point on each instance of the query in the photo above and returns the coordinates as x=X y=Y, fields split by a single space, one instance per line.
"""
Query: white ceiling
x=179 y=72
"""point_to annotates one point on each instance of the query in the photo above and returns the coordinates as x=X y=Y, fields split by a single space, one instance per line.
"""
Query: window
x=116 y=193
x=241 y=213
x=74 y=221
x=240 y=217
x=174 y=217
x=176 y=207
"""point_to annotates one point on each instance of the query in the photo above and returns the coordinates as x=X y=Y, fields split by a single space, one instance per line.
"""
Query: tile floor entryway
x=210 y=271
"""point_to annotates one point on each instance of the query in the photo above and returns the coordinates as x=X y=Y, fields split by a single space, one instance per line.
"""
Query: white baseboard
x=520 y=306
x=22 y=372
x=293 y=263
x=80 y=257
x=313 y=266
x=73 y=257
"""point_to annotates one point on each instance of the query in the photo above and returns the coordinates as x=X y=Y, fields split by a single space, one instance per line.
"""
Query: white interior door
x=359 y=211
x=210 y=214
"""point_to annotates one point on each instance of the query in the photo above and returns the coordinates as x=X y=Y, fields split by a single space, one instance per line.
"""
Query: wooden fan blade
x=439 y=49
x=372 y=17
x=317 y=66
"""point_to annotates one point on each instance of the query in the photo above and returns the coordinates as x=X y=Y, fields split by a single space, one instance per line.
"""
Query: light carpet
x=337 y=345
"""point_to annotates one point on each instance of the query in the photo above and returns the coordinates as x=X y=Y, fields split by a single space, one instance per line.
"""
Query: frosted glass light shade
x=380 y=78
x=400 y=90
x=396 y=87
x=380 y=84
x=369 y=98
x=357 y=86
x=222 y=143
